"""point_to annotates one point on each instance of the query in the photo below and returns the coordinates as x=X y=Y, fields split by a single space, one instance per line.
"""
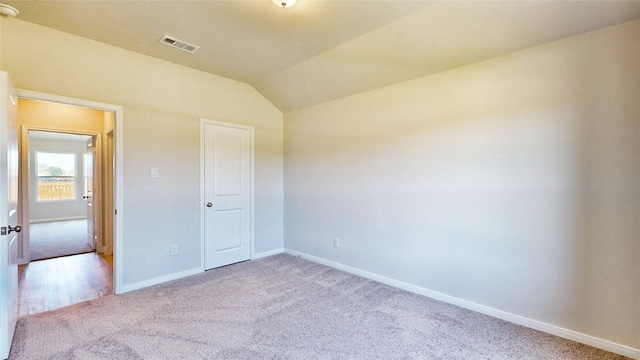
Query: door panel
x=8 y=215
x=227 y=194
x=228 y=165
x=89 y=173
x=228 y=229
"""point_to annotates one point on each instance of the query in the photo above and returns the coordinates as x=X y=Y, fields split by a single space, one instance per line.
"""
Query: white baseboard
x=516 y=319
x=159 y=280
x=267 y=253
x=162 y=279
x=32 y=221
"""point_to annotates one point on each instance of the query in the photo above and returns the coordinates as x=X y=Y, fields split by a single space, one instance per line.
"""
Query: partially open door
x=89 y=174
x=9 y=227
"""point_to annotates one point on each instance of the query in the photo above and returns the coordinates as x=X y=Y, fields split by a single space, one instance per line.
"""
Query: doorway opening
x=68 y=192
x=61 y=217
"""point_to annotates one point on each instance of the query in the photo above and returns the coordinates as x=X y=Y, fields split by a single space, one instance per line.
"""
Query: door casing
x=118 y=169
x=26 y=178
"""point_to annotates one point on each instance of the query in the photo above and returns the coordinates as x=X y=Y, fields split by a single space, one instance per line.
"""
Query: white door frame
x=26 y=180
x=118 y=184
x=203 y=122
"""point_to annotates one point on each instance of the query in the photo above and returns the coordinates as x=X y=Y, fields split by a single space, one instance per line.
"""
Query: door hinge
x=116 y=211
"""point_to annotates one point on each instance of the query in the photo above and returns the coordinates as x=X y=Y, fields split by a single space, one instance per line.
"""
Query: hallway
x=54 y=283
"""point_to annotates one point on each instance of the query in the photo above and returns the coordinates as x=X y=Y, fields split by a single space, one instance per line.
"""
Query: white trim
x=118 y=206
x=34 y=95
x=119 y=179
x=204 y=121
x=28 y=177
x=160 y=280
x=267 y=253
x=68 y=218
x=202 y=200
x=516 y=319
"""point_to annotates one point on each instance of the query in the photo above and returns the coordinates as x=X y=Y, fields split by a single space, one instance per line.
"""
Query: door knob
x=209 y=204
x=16 y=228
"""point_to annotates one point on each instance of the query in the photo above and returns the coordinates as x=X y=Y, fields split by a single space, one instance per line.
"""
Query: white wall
x=511 y=183
x=63 y=209
x=163 y=104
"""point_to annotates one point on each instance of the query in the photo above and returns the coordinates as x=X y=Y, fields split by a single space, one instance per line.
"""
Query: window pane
x=56 y=176
x=56 y=164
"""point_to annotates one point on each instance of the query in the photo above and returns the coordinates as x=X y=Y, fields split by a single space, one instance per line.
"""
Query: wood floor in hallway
x=54 y=283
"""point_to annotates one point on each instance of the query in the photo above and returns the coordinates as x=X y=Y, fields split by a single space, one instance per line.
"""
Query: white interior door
x=227 y=178
x=8 y=214
x=88 y=191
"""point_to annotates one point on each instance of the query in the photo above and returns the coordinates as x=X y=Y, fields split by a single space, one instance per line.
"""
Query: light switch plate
x=155 y=173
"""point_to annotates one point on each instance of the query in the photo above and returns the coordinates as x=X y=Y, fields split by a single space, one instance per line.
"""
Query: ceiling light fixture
x=284 y=3
x=8 y=10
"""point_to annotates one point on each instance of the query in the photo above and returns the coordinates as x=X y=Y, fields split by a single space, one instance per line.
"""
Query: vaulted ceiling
x=319 y=50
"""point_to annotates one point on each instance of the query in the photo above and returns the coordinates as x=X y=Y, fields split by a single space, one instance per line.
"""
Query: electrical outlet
x=336 y=242
x=174 y=249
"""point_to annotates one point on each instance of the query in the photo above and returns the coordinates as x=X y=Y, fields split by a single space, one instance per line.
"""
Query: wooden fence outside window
x=56 y=188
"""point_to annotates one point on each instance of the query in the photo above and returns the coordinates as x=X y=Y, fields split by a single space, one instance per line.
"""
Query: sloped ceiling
x=318 y=50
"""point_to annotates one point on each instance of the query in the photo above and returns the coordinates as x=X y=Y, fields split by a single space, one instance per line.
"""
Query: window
x=56 y=176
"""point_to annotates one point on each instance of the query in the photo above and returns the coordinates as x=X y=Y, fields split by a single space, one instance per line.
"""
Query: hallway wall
x=41 y=211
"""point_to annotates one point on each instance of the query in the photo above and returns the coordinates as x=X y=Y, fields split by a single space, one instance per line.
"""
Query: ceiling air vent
x=178 y=44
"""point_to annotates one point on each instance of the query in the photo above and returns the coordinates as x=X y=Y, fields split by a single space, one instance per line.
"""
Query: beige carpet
x=280 y=307
x=58 y=238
